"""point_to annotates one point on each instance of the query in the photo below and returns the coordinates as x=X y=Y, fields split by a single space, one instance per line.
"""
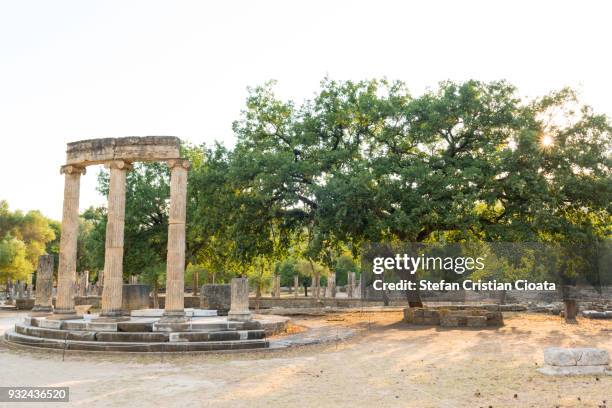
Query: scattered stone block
x=432 y=320
x=495 y=319
x=575 y=361
x=49 y=324
x=592 y=356
x=147 y=313
x=449 y=321
x=216 y=297
x=558 y=356
x=239 y=310
x=594 y=314
x=476 y=321
x=24 y=304
x=135 y=296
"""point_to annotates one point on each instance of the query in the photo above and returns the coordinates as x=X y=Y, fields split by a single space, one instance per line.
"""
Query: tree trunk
x=571 y=310
x=305 y=290
x=571 y=307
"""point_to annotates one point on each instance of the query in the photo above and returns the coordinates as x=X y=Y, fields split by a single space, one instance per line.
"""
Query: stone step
x=218 y=336
x=189 y=312
x=22 y=339
x=55 y=334
x=215 y=326
x=140 y=337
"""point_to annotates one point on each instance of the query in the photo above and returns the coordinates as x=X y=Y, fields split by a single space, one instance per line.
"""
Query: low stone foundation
x=455 y=317
x=204 y=331
x=24 y=303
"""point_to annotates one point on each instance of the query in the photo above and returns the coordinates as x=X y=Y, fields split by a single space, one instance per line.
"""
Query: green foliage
x=146 y=218
x=287 y=269
x=344 y=265
x=367 y=162
x=23 y=238
x=14 y=262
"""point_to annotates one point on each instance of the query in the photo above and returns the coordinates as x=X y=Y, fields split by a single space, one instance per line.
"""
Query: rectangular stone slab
x=564 y=357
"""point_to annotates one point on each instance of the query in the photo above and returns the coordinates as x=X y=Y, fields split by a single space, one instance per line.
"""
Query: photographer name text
x=442 y=285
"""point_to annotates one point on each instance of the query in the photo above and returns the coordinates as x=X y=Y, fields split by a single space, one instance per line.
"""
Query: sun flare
x=547 y=141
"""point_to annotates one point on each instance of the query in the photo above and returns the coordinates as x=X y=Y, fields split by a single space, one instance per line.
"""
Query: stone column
x=100 y=282
x=316 y=285
x=331 y=285
x=175 y=263
x=276 y=292
x=350 y=287
x=239 y=309
x=113 y=251
x=82 y=280
x=296 y=285
x=20 y=289
x=66 y=271
x=44 y=284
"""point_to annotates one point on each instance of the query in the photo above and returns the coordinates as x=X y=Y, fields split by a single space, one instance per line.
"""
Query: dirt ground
x=387 y=364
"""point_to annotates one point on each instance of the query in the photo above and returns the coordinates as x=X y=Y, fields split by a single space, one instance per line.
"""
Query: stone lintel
x=146 y=148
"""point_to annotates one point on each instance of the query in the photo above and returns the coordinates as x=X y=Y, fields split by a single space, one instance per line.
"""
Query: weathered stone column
x=175 y=263
x=44 y=284
x=296 y=285
x=20 y=289
x=100 y=282
x=113 y=253
x=331 y=285
x=276 y=292
x=239 y=309
x=66 y=272
x=350 y=287
x=83 y=280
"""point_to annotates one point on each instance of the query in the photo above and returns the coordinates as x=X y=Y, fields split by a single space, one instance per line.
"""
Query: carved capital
x=119 y=165
x=72 y=169
x=184 y=163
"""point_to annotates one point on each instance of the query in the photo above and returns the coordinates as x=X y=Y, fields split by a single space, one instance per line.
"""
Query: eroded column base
x=39 y=311
x=239 y=316
x=173 y=316
x=111 y=317
x=59 y=314
x=172 y=321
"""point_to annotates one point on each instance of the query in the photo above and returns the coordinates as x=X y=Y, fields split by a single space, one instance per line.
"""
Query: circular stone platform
x=143 y=332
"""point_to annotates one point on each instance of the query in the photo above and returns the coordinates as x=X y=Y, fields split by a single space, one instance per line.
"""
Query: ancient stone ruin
x=172 y=329
x=455 y=316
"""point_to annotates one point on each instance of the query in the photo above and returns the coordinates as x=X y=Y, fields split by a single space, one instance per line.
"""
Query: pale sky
x=73 y=70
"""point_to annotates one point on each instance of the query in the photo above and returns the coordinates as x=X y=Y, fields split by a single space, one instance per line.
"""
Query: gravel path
x=386 y=364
